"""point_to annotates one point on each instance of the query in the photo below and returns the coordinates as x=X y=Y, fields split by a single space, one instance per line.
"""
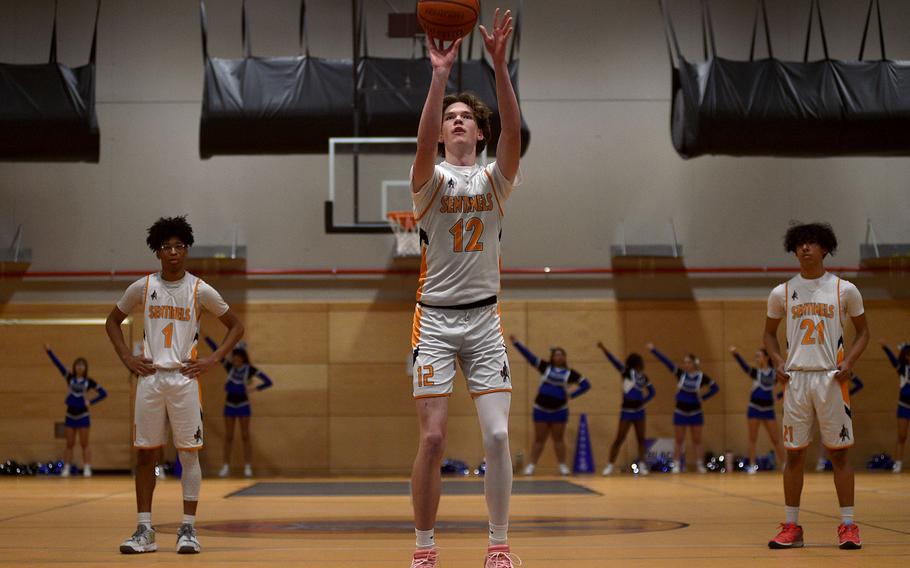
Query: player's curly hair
x=813 y=233
x=482 y=114
x=635 y=361
x=695 y=360
x=168 y=227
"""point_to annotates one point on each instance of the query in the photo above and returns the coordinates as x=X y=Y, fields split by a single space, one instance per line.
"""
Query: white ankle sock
x=499 y=534
x=846 y=515
x=189 y=519
x=426 y=539
x=145 y=519
x=792 y=514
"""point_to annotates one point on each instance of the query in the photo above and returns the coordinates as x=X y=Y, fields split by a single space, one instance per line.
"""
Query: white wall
x=595 y=87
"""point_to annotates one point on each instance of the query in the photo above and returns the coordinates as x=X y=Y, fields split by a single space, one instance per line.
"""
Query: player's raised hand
x=139 y=366
x=601 y=345
x=442 y=57
x=195 y=367
x=649 y=346
x=513 y=339
x=883 y=343
x=733 y=349
x=497 y=41
x=47 y=346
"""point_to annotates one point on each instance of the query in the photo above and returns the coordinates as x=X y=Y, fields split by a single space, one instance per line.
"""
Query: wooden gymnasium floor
x=691 y=520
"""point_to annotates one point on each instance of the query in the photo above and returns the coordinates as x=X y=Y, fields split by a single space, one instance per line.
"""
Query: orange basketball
x=448 y=20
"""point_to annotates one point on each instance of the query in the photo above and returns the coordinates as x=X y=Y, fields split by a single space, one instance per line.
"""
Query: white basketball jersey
x=815 y=316
x=459 y=214
x=171 y=320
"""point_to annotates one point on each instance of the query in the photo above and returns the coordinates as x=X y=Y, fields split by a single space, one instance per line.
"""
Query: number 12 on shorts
x=424 y=374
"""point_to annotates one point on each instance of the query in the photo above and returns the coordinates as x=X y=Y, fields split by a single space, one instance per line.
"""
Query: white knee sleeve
x=192 y=475
x=493 y=412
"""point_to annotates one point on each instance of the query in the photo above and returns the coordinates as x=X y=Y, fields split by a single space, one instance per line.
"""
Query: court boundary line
x=58 y=507
x=774 y=503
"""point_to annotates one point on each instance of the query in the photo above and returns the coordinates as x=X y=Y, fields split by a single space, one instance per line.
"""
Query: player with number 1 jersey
x=168 y=368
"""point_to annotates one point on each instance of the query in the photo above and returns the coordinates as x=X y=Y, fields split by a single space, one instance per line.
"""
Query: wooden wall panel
x=285 y=333
x=363 y=333
x=281 y=446
x=677 y=328
x=342 y=399
x=576 y=327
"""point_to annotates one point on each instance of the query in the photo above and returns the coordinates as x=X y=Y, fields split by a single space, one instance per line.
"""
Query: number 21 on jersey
x=813 y=330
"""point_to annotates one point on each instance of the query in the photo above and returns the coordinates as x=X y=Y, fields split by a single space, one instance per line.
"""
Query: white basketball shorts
x=817 y=394
x=168 y=395
x=473 y=337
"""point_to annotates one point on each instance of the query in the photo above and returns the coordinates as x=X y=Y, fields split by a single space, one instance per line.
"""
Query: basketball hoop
x=407 y=237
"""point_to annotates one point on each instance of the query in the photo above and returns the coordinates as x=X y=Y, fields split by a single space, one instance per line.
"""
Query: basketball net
x=407 y=237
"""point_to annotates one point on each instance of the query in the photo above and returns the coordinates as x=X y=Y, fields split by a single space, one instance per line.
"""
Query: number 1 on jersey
x=475 y=225
x=168 y=334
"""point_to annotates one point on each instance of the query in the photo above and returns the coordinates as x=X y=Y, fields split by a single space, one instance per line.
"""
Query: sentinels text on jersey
x=459 y=213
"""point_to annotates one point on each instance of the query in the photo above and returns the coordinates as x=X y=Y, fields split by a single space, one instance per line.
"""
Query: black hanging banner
x=273 y=105
x=47 y=110
x=780 y=108
x=293 y=105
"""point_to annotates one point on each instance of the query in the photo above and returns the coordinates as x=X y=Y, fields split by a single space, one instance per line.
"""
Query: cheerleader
x=240 y=374
x=637 y=390
x=551 y=407
x=761 y=404
x=691 y=382
x=78 y=421
x=901 y=364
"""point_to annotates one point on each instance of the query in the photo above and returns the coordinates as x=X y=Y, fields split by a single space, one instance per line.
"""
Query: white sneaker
x=643 y=468
x=702 y=468
x=66 y=470
x=564 y=470
x=248 y=471
x=187 y=543
x=87 y=471
x=159 y=473
x=675 y=468
x=897 y=467
x=820 y=466
x=224 y=471
x=752 y=469
x=607 y=470
x=529 y=470
x=143 y=540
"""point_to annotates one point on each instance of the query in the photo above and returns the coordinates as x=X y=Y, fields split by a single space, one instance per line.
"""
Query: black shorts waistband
x=478 y=304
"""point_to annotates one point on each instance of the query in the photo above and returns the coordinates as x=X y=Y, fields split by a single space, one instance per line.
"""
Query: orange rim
x=404 y=219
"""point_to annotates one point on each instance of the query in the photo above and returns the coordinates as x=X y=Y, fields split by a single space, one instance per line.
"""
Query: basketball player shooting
x=458 y=205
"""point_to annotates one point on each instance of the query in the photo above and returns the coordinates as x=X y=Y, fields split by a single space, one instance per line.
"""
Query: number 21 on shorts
x=788 y=434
